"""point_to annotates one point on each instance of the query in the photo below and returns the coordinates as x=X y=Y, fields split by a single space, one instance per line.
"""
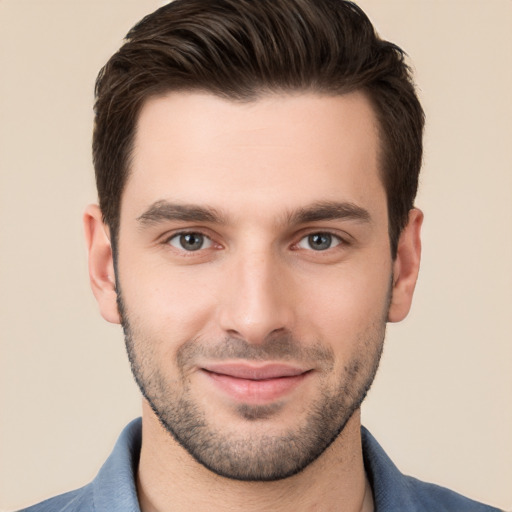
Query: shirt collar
x=390 y=487
x=114 y=487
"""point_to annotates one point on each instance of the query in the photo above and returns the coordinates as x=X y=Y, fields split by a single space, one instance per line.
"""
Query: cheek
x=166 y=302
x=344 y=304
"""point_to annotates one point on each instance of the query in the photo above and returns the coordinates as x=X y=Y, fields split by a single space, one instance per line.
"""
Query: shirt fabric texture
x=113 y=489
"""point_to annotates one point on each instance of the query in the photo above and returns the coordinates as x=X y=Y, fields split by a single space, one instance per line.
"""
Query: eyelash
x=331 y=236
x=177 y=236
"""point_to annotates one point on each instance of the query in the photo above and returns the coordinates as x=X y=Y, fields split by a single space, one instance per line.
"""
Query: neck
x=169 y=479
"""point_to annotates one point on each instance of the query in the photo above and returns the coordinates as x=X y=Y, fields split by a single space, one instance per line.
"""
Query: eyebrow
x=166 y=211
x=323 y=210
x=329 y=210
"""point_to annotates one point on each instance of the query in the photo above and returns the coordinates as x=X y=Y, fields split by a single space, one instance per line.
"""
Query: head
x=256 y=165
x=241 y=50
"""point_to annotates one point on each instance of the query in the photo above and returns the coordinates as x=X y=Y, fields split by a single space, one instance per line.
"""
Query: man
x=256 y=165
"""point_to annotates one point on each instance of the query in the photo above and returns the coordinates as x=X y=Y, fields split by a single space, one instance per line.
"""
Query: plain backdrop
x=441 y=404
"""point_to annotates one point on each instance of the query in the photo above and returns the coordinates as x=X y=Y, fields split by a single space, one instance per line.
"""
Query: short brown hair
x=240 y=49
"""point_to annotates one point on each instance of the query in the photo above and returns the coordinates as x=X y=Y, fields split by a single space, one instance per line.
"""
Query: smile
x=255 y=384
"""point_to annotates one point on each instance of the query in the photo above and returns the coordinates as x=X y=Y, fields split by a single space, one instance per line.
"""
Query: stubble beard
x=265 y=456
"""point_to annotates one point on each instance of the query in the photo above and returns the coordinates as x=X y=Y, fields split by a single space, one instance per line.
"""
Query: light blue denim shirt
x=113 y=489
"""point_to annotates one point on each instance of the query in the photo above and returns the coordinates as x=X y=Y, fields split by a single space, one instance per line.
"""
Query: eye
x=190 y=241
x=319 y=241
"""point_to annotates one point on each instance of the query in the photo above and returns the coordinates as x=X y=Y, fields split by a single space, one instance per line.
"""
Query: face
x=254 y=273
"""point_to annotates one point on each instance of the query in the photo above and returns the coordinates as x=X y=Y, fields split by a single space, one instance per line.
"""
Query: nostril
x=280 y=331
x=232 y=333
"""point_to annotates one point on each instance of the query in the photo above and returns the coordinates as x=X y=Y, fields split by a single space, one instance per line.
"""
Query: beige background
x=441 y=404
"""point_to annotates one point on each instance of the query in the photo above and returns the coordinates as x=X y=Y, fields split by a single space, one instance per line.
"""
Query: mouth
x=255 y=384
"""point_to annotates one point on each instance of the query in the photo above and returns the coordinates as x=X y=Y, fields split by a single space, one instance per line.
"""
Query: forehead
x=279 y=151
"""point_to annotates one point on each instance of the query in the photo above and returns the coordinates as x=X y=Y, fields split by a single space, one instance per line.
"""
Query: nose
x=258 y=298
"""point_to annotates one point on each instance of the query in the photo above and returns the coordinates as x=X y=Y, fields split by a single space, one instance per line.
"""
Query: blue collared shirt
x=113 y=489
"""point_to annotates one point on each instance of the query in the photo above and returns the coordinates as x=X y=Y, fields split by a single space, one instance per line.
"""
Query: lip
x=257 y=384
x=254 y=371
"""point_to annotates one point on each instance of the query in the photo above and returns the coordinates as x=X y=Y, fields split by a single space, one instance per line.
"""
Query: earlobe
x=406 y=267
x=101 y=263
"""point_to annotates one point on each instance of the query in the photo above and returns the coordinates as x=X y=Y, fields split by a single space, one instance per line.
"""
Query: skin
x=259 y=166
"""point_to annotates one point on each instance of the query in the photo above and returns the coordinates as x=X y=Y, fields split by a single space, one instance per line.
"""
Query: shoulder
x=73 y=501
x=113 y=489
x=441 y=499
x=393 y=490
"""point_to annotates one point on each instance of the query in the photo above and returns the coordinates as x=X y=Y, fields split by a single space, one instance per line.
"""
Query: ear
x=406 y=267
x=101 y=263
